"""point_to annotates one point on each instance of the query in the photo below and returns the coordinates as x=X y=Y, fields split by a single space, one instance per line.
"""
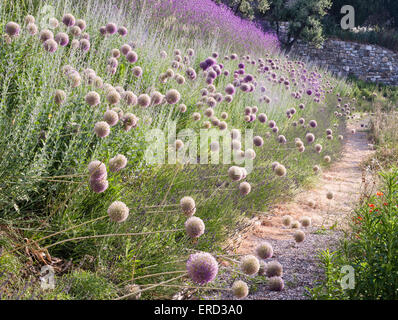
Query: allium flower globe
x=202 y=268
x=118 y=211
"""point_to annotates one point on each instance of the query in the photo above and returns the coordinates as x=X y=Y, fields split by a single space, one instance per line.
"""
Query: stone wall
x=367 y=62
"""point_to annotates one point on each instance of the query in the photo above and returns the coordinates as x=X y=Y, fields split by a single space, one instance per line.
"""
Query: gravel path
x=300 y=262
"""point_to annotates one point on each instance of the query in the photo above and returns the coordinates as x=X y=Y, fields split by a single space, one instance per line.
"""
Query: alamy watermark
x=348 y=21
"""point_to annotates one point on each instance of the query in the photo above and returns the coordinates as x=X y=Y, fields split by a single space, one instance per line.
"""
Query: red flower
x=379 y=193
x=371 y=205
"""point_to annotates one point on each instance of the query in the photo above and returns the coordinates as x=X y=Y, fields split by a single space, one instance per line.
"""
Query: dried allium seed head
x=32 y=29
x=240 y=289
x=102 y=129
x=111 y=117
x=264 y=250
x=117 y=163
x=178 y=144
x=62 y=39
x=50 y=45
x=130 y=98
x=144 y=100
x=59 y=96
x=287 y=220
x=97 y=170
x=329 y=195
x=244 y=188
x=68 y=20
x=202 y=268
x=194 y=227
x=54 y=23
x=274 y=269
x=113 y=97
x=111 y=28
x=84 y=45
x=258 y=141
x=75 y=31
x=235 y=173
x=280 y=170
x=305 y=221
x=188 y=206
x=250 y=154
x=29 y=19
x=196 y=116
x=310 y=137
x=250 y=265
x=93 y=98
x=299 y=236
x=12 y=29
x=122 y=31
x=276 y=284
x=318 y=148
x=98 y=185
x=118 y=211
x=132 y=56
x=327 y=159
x=45 y=34
x=137 y=71
x=182 y=107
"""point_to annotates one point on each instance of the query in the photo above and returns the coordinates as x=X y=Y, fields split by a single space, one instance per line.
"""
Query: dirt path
x=329 y=217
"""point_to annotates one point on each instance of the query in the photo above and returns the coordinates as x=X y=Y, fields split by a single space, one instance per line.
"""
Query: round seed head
x=258 y=141
x=280 y=170
x=12 y=29
x=118 y=211
x=305 y=221
x=274 y=269
x=59 y=96
x=98 y=186
x=137 y=71
x=287 y=220
x=194 y=227
x=276 y=284
x=188 y=206
x=329 y=195
x=250 y=265
x=240 y=289
x=32 y=29
x=202 y=268
x=130 y=98
x=310 y=137
x=117 y=163
x=45 y=35
x=62 y=39
x=235 y=173
x=327 y=159
x=68 y=20
x=299 y=236
x=132 y=56
x=196 y=116
x=97 y=170
x=144 y=100
x=93 y=98
x=84 y=44
x=111 y=28
x=244 y=188
x=113 y=97
x=102 y=129
x=318 y=148
x=122 y=31
x=295 y=225
x=264 y=250
x=29 y=19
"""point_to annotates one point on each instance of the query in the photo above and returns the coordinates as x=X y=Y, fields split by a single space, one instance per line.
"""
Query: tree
x=248 y=7
x=304 y=17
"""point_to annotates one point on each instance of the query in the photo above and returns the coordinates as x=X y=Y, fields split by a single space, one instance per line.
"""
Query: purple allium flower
x=309 y=92
x=62 y=39
x=132 y=56
x=84 y=44
x=111 y=28
x=102 y=30
x=122 y=31
x=313 y=124
x=272 y=124
x=98 y=186
x=241 y=65
x=68 y=20
x=12 y=29
x=50 y=45
x=202 y=268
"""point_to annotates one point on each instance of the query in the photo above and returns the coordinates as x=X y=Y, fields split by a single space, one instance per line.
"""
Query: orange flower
x=379 y=193
x=371 y=205
x=385 y=203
